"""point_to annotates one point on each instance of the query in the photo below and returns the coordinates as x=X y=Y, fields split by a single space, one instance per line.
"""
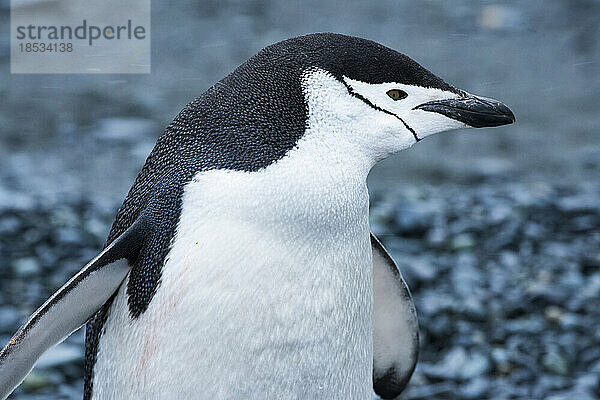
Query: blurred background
x=496 y=231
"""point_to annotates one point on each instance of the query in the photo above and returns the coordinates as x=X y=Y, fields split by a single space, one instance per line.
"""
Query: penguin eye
x=397 y=94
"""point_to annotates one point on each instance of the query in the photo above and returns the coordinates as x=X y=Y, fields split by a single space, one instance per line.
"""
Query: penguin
x=241 y=263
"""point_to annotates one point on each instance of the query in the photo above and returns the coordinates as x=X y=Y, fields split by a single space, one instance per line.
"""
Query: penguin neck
x=306 y=193
x=320 y=183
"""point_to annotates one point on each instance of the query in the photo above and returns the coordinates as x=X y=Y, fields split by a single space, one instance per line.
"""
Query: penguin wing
x=395 y=326
x=70 y=307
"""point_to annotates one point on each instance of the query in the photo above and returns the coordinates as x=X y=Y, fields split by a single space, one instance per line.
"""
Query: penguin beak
x=478 y=112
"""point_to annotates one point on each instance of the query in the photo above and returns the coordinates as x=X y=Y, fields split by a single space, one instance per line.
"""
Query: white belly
x=249 y=308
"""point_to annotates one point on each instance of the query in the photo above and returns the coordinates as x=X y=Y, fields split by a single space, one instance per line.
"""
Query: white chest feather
x=267 y=289
x=249 y=303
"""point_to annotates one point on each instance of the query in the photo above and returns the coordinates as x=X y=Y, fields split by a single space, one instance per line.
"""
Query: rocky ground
x=506 y=281
x=505 y=277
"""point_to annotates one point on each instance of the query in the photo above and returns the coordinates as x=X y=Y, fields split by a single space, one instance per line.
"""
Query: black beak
x=474 y=111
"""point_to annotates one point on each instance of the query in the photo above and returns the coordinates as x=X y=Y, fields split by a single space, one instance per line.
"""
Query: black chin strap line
x=367 y=101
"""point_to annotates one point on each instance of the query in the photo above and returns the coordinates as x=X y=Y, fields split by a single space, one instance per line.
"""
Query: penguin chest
x=249 y=306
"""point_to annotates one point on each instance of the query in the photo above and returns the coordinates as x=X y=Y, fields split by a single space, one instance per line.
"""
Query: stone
x=555 y=363
x=27 y=266
x=60 y=355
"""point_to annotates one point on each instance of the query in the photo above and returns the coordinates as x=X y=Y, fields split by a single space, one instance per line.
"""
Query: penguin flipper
x=395 y=326
x=70 y=307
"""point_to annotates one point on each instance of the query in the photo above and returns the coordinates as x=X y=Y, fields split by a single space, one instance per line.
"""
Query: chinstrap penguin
x=241 y=265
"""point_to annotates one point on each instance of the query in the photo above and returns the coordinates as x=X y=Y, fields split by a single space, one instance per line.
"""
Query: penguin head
x=353 y=93
x=384 y=96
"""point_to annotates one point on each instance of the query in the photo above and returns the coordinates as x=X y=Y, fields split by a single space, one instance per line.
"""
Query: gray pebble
x=24 y=267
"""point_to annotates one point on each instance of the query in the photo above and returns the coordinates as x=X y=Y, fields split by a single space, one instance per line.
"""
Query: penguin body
x=251 y=288
x=287 y=284
x=252 y=271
